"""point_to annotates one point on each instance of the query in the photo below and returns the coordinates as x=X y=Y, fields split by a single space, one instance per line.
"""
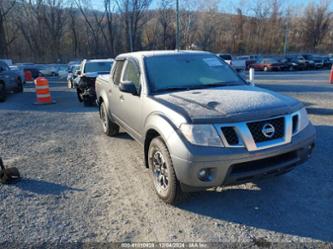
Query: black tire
x=12 y=173
x=3 y=92
x=164 y=178
x=87 y=101
x=19 y=88
x=79 y=95
x=110 y=128
x=3 y=177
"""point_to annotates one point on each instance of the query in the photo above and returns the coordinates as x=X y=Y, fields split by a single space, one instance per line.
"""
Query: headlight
x=204 y=135
x=303 y=119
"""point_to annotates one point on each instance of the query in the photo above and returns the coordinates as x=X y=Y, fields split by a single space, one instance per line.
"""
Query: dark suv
x=9 y=81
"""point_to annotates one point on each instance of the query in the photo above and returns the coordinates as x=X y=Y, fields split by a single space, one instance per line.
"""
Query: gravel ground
x=81 y=186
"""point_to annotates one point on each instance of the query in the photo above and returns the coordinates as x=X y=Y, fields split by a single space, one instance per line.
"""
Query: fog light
x=205 y=175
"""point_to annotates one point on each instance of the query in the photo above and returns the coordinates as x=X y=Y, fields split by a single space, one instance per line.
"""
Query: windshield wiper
x=171 y=89
x=218 y=84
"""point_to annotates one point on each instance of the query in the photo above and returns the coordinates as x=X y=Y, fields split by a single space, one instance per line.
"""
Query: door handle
x=122 y=98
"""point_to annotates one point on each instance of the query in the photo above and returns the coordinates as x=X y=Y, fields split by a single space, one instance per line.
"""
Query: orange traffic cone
x=331 y=75
x=43 y=92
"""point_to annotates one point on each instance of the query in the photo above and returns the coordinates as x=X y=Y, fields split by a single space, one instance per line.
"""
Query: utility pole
x=285 y=47
x=177 y=25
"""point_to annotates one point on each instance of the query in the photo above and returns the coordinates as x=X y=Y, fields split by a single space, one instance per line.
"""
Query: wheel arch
x=157 y=125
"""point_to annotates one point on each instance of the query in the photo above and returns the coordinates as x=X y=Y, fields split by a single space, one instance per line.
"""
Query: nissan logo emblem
x=268 y=130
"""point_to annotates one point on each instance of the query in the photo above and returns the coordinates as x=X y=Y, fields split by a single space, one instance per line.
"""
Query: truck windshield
x=92 y=67
x=193 y=71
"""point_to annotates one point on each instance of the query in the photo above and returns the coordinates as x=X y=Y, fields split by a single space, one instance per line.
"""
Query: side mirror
x=128 y=87
x=78 y=72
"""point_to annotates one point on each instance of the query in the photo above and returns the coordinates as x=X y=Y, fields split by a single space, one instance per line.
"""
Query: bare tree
x=133 y=12
x=316 y=23
x=5 y=8
x=166 y=19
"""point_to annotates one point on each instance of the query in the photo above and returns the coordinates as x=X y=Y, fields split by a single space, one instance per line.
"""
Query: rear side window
x=132 y=74
x=117 y=72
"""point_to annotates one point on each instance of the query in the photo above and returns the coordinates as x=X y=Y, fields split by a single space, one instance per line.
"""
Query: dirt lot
x=80 y=185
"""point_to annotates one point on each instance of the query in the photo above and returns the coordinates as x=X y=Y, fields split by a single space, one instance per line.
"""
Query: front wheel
x=87 y=101
x=110 y=129
x=165 y=181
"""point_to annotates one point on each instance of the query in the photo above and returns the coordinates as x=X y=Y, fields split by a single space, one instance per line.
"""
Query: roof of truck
x=141 y=54
x=99 y=60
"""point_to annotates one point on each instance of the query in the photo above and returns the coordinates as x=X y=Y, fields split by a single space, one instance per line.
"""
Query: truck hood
x=228 y=104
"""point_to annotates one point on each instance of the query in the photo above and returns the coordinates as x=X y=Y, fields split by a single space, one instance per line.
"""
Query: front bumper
x=236 y=165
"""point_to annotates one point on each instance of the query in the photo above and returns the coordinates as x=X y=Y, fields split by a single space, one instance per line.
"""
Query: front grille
x=230 y=135
x=262 y=163
x=256 y=129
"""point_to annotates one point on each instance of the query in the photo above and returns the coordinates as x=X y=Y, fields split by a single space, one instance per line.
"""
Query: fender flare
x=157 y=124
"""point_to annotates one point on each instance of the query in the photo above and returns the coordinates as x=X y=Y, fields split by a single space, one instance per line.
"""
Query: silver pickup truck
x=200 y=124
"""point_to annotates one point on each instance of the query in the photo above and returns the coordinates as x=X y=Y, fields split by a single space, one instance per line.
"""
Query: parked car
x=87 y=74
x=48 y=70
x=294 y=63
x=74 y=62
x=238 y=65
x=9 y=81
x=62 y=71
x=308 y=60
x=72 y=74
x=268 y=64
x=29 y=67
x=327 y=62
x=34 y=72
x=200 y=124
x=318 y=61
x=247 y=60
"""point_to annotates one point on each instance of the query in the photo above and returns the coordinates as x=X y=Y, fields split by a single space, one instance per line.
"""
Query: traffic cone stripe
x=42 y=87
x=43 y=91
x=43 y=96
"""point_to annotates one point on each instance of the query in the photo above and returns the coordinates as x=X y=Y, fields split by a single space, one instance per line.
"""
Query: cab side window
x=132 y=74
x=117 y=72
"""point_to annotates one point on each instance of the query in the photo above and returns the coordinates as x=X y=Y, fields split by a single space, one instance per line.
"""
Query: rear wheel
x=3 y=93
x=163 y=174
x=111 y=129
